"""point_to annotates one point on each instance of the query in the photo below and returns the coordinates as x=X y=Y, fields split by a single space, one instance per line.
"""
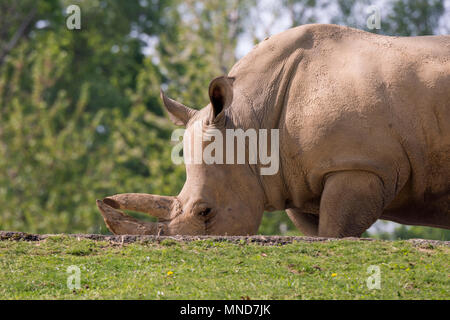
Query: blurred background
x=80 y=114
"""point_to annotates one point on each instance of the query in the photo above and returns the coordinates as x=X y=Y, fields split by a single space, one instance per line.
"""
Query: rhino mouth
x=209 y=222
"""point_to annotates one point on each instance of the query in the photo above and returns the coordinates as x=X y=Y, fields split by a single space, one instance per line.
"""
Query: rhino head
x=217 y=199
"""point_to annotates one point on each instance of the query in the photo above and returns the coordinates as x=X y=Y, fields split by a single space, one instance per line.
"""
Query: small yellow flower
x=334 y=274
x=169 y=273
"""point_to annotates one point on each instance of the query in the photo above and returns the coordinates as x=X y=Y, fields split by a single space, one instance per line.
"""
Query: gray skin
x=364 y=126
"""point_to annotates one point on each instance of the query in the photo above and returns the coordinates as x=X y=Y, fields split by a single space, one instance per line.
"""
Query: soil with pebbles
x=262 y=240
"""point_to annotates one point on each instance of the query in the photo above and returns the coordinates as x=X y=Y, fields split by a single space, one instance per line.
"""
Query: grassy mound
x=208 y=269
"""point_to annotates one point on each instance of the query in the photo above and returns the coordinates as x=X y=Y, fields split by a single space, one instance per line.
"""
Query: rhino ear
x=221 y=93
x=178 y=113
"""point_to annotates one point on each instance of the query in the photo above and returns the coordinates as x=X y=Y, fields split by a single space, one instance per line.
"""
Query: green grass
x=222 y=270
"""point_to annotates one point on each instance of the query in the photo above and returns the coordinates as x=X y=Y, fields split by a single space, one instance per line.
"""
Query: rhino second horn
x=178 y=113
x=154 y=205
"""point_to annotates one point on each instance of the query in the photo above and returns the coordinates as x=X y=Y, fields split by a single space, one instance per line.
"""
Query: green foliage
x=406 y=232
x=277 y=222
x=417 y=18
x=200 y=46
x=79 y=122
x=398 y=17
x=59 y=158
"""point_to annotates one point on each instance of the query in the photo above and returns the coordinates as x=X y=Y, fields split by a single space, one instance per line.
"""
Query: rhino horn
x=119 y=223
x=154 y=205
x=178 y=113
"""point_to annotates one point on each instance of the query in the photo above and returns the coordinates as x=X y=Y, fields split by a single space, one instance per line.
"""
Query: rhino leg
x=307 y=223
x=351 y=202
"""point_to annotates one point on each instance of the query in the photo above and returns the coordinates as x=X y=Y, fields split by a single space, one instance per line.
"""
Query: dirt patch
x=262 y=240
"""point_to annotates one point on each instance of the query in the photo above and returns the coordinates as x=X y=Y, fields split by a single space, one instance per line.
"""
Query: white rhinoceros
x=364 y=134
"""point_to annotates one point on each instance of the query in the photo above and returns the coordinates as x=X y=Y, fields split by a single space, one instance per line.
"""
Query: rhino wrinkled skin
x=364 y=134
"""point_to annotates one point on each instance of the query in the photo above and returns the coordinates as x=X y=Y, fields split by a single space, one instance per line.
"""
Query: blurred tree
x=56 y=160
x=407 y=232
x=200 y=46
x=18 y=20
x=303 y=11
x=80 y=116
x=413 y=18
x=412 y=232
x=398 y=17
